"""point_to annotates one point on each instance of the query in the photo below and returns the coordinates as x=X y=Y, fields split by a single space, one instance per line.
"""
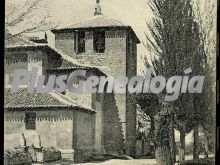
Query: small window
x=79 y=42
x=99 y=42
x=30 y=121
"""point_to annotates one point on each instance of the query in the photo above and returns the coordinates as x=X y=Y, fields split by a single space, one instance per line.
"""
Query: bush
x=197 y=162
x=51 y=154
x=17 y=156
x=24 y=155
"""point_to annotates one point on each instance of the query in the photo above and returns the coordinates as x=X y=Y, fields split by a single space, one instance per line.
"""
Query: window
x=79 y=45
x=30 y=121
x=99 y=42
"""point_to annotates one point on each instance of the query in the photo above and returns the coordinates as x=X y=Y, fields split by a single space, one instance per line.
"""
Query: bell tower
x=110 y=46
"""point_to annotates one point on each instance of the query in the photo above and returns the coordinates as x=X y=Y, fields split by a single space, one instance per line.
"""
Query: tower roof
x=97 y=21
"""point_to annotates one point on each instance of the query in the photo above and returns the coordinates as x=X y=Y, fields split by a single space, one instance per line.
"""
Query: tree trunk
x=172 y=143
x=142 y=147
x=182 y=146
x=152 y=129
x=163 y=155
x=206 y=146
x=162 y=140
x=196 y=146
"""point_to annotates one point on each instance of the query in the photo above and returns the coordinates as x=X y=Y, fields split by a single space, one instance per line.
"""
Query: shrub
x=196 y=162
x=51 y=154
x=17 y=156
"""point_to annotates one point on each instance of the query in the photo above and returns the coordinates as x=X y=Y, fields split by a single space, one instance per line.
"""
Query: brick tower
x=111 y=46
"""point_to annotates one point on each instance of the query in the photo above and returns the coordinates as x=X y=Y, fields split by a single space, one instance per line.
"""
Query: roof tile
x=97 y=21
x=23 y=99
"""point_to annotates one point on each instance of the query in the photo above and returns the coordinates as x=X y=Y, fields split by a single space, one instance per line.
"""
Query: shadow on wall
x=113 y=135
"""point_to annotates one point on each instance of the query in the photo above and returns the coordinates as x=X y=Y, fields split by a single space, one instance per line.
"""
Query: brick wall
x=118 y=59
x=51 y=126
x=65 y=42
x=64 y=129
x=13 y=61
x=113 y=130
x=84 y=136
x=131 y=70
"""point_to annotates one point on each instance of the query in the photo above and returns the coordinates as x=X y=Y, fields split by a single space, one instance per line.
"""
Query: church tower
x=111 y=46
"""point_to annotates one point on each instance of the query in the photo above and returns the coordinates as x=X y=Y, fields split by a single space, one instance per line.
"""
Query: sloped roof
x=17 y=40
x=23 y=99
x=65 y=64
x=20 y=42
x=68 y=65
x=68 y=62
x=97 y=21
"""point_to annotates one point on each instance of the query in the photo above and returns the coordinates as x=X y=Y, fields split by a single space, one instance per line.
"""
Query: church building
x=80 y=125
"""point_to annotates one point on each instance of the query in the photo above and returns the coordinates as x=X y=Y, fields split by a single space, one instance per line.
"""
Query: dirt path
x=117 y=162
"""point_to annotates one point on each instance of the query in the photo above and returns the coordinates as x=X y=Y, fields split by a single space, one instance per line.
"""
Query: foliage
x=17 y=156
x=177 y=43
x=24 y=17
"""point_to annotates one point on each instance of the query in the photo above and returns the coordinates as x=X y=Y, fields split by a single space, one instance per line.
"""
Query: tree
x=205 y=103
x=175 y=42
x=25 y=18
x=206 y=18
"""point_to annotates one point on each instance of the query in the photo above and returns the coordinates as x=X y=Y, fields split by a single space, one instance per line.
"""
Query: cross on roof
x=98 y=10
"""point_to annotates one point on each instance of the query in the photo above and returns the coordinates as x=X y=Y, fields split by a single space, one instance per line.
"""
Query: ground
x=118 y=162
x=110 y=162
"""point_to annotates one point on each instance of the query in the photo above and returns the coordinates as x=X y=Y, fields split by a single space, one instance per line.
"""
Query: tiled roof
x=97 y=21
x=23 y=99
x=21 y=42
x=70 y=66
x=65 y=64
x=72 y=63
x=17 y=40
